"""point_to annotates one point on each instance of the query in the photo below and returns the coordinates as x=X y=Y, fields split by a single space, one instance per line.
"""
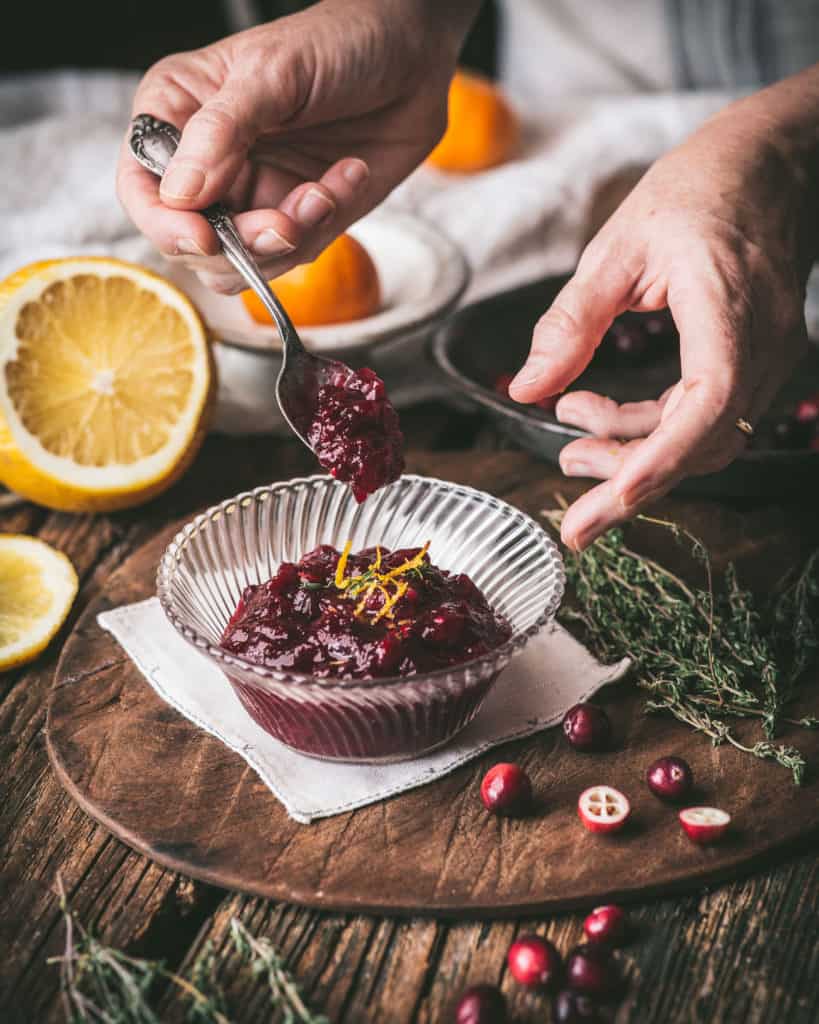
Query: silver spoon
x=153 y=143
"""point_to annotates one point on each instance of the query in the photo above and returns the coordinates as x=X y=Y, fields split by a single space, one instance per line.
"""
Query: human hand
x=714 y=232
x=300 y=126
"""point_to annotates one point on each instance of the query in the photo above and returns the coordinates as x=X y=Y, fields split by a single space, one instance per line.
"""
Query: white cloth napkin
x=539 y=686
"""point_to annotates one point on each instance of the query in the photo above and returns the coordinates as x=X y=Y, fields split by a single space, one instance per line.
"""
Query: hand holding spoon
x=153 y=143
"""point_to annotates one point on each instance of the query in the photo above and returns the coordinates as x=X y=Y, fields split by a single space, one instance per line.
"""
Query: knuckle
x=557 y=321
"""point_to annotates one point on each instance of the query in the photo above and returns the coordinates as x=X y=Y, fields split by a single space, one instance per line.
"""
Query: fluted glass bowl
x=243 y=540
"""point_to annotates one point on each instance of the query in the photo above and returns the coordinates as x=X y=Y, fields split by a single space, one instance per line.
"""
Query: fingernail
x=532 y=371
x=269 y=242
x=189 y=247
x=314 y=208
x=356 y=173
x=639 y=495
x=584 y=537
x=576 y=467
x=183 y=181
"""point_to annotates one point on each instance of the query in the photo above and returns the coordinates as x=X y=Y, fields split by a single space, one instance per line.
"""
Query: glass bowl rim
x=264 y=674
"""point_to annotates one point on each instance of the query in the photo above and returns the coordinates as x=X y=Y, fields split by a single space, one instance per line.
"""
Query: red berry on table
x=481 y=1004
x=808 y=410
x=592 y=969
x=587 y=727
x=506 y=789
x=603 y=809
x=704 y=825
x=571 y=1007
x=534 y=962
x=606 y=925
x=670 y=778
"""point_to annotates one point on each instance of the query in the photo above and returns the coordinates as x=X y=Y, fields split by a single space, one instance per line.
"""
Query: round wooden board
x=179 y=796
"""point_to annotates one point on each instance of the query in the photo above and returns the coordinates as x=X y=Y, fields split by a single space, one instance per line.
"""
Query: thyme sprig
x=709 y=655
x=102 y=985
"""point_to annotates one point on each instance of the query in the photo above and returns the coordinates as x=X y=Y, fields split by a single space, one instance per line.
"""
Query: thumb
x=214 y=146
x=566 y=336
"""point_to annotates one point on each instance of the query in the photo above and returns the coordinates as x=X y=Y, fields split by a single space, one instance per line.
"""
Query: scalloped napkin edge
x=551 y=674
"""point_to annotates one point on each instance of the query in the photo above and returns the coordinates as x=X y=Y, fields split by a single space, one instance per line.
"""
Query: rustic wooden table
x=746 y=951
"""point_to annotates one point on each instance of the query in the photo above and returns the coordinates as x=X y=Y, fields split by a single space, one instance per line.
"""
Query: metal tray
x=492 y=337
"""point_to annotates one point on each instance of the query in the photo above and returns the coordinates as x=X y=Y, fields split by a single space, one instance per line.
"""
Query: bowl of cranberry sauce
x=361 y=632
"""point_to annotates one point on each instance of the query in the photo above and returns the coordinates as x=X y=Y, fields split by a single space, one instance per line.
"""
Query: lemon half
x=105 y=383
x=37 y=589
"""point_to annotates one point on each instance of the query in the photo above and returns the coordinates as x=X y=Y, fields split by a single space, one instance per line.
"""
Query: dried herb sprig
x=102 y=985
x=708 y=655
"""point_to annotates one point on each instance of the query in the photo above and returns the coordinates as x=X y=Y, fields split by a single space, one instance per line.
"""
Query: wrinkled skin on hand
x=713 y=232
x=300 y=126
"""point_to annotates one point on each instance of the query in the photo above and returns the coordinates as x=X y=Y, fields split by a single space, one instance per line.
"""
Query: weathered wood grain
x=123 y=755
x=743 y=952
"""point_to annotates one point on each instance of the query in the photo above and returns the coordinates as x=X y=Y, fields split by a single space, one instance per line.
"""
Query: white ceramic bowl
x=243 y=540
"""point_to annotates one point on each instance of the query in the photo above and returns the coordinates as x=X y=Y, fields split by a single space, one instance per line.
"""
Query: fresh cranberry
x=704 y=825
x=607 y=925
x=670 y=778
x=506 y=789
x=534 y=962
x=808 y=410
x=481 y=1004
x=587 y=727
x=591 y=969
x=574 y=1008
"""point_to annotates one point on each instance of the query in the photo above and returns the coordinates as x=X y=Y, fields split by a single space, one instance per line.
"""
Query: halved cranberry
x=506 y=789
x=607 y=925
x=603 y=809
x=704 y=825
x=670 y=778
x=481 y=1004
x=534 y=962
x=574 y=1008
x=592 y=969
x=587 y=727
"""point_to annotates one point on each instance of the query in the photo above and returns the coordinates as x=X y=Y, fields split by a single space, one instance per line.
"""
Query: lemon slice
x=37 y=588
x=105 y=383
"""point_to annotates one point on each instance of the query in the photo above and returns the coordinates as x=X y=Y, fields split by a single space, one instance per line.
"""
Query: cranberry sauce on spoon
x=355 y=432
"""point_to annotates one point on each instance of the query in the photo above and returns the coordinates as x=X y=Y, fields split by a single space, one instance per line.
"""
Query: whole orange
x=339 y=285
x=483 y=130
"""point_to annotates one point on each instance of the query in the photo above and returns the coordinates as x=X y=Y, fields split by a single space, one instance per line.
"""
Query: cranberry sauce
x=374 y=614
x=355 y=432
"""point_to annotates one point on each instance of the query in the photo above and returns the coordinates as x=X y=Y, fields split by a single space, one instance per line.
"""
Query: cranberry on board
x=593 y=970
x=481 y=1004
x=670 y=778
x=704 y=825
x=603 y=809
x=506 y=789
x=607 y=925
x=570 y=1007
x=534 y=962
x=587 y=727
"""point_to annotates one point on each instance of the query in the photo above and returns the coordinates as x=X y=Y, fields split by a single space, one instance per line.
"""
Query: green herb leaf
x=707 y=655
